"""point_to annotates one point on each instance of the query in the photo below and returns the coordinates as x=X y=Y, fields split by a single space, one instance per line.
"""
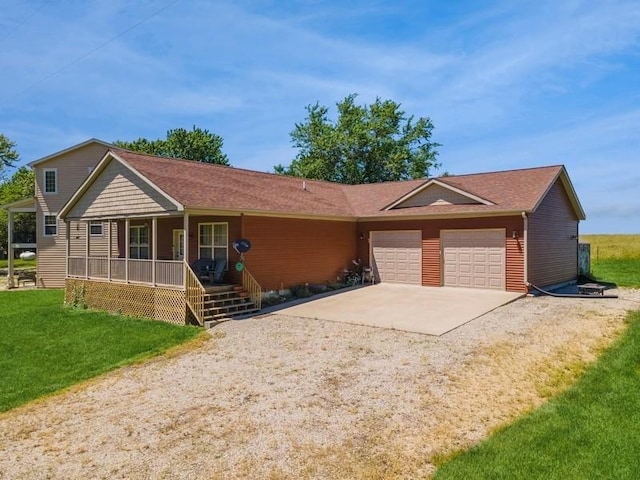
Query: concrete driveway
x=429 y=310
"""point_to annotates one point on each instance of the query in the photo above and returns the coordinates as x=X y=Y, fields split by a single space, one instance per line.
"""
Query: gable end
x=435 y=193
x=118 y=191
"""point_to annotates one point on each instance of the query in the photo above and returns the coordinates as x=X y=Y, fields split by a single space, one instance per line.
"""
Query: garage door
x=474 y=258
x=397 y=256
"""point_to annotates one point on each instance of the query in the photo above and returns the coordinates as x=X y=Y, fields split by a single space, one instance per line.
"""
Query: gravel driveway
x=282 y=397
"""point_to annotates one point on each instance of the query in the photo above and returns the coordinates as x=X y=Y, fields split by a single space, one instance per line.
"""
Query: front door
x=178 y=244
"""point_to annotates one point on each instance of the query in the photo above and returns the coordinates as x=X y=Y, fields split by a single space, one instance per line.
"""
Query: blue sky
x=508 y=84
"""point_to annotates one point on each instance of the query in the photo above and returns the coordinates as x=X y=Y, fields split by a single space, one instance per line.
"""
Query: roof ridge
x=543 y=167
x=217 y=165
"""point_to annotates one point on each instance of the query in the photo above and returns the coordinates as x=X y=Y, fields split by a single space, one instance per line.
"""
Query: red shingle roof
x=202 y=185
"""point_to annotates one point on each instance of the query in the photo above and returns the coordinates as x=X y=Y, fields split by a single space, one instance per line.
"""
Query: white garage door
x=397 y=256
x=474 y=258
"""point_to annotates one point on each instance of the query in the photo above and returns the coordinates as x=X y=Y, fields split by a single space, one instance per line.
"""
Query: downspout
x=525 y=235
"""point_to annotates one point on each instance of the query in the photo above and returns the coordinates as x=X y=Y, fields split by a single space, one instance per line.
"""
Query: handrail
x=194 y=294
x=253 y=287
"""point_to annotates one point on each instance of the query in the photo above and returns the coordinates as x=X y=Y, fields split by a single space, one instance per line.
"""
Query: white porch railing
x=98 y=267
x=167 y=272
x=77 y=267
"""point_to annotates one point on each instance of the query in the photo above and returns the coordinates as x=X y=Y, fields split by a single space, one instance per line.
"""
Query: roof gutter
x=440 y=216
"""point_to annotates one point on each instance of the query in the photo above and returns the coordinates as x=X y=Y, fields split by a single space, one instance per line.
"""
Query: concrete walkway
x=429 y=310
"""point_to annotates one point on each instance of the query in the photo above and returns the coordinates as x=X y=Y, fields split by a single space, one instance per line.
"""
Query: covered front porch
x=147 y=266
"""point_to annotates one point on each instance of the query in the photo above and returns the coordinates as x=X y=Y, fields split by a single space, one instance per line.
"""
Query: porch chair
x=218 y=273
x=203 y=268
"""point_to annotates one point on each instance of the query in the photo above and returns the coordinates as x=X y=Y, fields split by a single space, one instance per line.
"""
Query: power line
x=92 y=51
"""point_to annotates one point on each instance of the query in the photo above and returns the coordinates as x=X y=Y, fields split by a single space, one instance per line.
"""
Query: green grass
x=615 y=258
x=19 y=263
x=46 y=347
x=625 y=273
x=590 y=431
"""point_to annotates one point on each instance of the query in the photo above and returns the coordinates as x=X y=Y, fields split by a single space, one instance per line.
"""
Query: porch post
x=109 y=240
x=154 y=248
x=126 y=250
x=185 y=226
x=67 y=251
x=10 y=283
x=87 y=249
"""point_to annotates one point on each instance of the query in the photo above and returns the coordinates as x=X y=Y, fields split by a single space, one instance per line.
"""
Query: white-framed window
x=50 y=225
x=50 y=180
x=213 y=241
x=95 y=229
x=139 y=242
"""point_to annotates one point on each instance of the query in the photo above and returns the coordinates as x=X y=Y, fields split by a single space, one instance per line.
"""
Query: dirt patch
x=281 y=397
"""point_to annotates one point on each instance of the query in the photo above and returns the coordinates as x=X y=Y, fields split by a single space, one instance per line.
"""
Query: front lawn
x=615 y=258
x=624 y=272
x=590 y=431
x=45 y=347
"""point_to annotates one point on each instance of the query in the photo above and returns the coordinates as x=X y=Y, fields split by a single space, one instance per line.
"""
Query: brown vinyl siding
x=98 y=244
x=553 y=240
x=431 y=248
x=118 y=191
x=431 y=262
x=51 y=256
x=286 y=252
x=72 y=170
x=77 y=238
x=515 y=262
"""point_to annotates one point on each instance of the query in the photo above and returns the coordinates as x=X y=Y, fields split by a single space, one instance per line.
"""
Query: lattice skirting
x=128 y=299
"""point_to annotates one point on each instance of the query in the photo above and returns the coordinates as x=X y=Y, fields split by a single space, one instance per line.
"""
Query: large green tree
x=196 y=144
x=366 y=144
x=8 y=153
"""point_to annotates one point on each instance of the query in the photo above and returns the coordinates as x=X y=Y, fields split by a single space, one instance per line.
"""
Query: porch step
x=218 y=317
x=226 y=307
x=224 y=302
x=211 y=303
x=210 y=323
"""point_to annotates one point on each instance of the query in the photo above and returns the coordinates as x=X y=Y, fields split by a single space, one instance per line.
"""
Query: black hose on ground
x=569 y=295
